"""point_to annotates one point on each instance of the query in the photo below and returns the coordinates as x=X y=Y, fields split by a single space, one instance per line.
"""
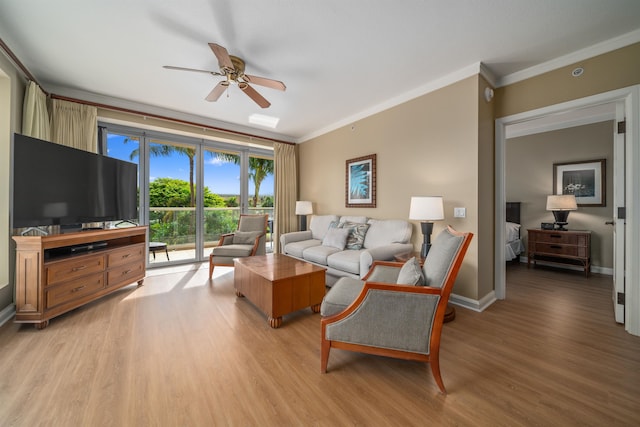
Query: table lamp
x=303 y=208
x=561 y=205
x=426 y=209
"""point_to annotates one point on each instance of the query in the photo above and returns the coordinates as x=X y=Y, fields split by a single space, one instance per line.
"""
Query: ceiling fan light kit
x=233 y=68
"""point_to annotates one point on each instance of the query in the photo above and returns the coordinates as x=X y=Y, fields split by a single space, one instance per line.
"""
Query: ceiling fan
x=232 y=68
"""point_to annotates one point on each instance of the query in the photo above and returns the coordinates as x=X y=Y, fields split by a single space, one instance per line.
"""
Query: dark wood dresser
x=571 y=247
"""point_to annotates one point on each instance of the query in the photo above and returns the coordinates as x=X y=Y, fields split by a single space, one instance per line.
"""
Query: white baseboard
x=471 y=304
x=7 y=314
x=594 y=268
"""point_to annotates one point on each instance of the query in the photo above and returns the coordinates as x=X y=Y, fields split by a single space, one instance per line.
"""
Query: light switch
x=459 y=212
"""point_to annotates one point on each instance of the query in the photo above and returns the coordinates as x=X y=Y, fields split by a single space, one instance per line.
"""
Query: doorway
x=629 y=99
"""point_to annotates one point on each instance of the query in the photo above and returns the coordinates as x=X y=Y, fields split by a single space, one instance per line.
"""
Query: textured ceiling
x=340 y=60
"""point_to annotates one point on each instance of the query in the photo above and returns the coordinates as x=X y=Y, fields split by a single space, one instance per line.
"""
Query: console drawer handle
x=555 y=247
x=78 y=288
x=556 y=236
x=125 y=255
x=124 y=273
x=81 y=267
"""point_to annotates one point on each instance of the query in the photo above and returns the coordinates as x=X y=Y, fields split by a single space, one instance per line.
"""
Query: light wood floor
x=183 y=351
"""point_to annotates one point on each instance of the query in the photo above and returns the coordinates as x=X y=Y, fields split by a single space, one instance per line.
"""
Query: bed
x=514 y=245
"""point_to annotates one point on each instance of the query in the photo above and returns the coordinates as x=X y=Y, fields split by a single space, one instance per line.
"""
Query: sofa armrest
x=381 y=253
x=294 y=236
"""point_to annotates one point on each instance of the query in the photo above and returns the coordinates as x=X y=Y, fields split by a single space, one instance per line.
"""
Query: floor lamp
x=426 y=209
x=303 y=208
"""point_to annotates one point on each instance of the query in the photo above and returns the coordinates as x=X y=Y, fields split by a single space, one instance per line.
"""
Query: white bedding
x=514 y=246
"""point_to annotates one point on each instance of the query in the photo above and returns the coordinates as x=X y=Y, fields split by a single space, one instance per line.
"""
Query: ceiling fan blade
x=217 y=91
x=253 y=94
x=223 y=56
x=263 y=81
x=171 y=67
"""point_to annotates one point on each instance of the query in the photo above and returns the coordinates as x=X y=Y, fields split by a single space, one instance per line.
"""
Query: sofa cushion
x=320 y=224
x=297 y=248
x=357 y=233
x=336 y=237
x=386 y=231
x=348 y=261
x=440 y=258
x=411 y=273
x=340 y=296
x=319 y=254
x=245 y=237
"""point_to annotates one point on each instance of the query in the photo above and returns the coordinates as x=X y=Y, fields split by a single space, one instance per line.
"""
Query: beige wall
x=12 y=87
x=427 y=146
x=603 y=73
x=529 y=179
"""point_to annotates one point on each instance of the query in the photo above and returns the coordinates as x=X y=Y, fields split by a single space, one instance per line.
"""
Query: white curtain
x=286 y=183
x=75 y=125
x=35 y=116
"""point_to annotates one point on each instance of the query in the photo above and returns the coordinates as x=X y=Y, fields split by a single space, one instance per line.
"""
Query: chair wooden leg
x=210 y=267
x=435 y=369
x=325 y=347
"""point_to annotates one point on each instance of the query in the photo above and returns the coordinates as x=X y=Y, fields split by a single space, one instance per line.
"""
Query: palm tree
x=259 y=169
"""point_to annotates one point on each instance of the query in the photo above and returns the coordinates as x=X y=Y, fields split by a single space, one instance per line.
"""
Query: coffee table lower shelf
x=279 y=285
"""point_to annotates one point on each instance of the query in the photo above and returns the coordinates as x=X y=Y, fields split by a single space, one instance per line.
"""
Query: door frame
x=631 y=98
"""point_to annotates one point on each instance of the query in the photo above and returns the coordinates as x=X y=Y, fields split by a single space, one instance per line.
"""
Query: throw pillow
x=245 y=237
x=336 y=238
x=411 y=273
x=356 y=235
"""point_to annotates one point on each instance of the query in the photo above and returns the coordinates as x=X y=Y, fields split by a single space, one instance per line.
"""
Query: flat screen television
x=58 y=185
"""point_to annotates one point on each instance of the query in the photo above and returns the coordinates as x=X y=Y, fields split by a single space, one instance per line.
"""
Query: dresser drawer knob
x=124 y=273
x=78 y=288
x=81 y=267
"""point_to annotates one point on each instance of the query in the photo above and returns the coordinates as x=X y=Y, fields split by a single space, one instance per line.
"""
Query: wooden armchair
x=379 y=316
x=249 y=240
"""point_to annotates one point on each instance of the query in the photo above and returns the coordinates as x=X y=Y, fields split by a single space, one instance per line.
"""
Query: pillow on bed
x=512 y=231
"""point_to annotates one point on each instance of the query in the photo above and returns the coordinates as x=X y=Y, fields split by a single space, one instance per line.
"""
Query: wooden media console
x=57 y=273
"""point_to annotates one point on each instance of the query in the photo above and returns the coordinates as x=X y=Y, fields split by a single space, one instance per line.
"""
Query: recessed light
x=577 y=72
x=262 y=120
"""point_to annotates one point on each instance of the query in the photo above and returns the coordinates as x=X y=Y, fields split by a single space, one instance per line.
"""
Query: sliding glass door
x=192 y=190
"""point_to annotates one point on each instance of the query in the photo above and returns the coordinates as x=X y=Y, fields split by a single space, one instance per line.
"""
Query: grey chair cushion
x=245 y=237
x=232 y=250
x=336 y=238
x=440 y=258
x=252 y=223
x=411 y=273
x=340 y=296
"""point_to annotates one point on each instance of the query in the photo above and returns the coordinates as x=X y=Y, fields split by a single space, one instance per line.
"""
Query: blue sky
x=221 y=177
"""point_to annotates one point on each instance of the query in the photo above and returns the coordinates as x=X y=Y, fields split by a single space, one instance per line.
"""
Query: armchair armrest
x=295 y=236
x=383 y=272
x=226 y=239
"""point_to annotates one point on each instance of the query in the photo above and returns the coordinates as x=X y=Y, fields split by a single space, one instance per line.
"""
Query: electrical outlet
x=459 y=212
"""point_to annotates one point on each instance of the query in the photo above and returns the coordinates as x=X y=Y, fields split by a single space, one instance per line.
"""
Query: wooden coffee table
x=278 y=284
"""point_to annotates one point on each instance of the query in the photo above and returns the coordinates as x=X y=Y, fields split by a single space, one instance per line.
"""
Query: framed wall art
x=360 y=187
x=585 y=180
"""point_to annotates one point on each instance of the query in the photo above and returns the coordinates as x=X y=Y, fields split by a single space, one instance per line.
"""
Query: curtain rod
x=158 y=116
x=13 y=58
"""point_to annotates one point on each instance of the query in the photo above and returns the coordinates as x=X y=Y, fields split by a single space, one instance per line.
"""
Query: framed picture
x=360 y=187
x=585 y=180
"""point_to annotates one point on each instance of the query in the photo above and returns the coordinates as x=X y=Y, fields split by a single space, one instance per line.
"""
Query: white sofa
x=325 y=244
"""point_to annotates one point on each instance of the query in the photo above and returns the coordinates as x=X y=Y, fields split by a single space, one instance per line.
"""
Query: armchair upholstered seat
x=398 y=309
x=248 y=240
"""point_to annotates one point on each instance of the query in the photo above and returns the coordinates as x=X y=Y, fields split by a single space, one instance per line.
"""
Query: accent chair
x=398 y=309
x=248 y=240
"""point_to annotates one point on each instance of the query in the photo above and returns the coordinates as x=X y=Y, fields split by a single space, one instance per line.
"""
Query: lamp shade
x=304 y=208
x=564 y=202
x=426 y=208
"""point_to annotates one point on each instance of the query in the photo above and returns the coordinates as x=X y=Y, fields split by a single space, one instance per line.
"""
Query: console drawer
x=58 y=271
x=73 y=289
x=127 y=273
x=126 y=255
x=559 y=237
